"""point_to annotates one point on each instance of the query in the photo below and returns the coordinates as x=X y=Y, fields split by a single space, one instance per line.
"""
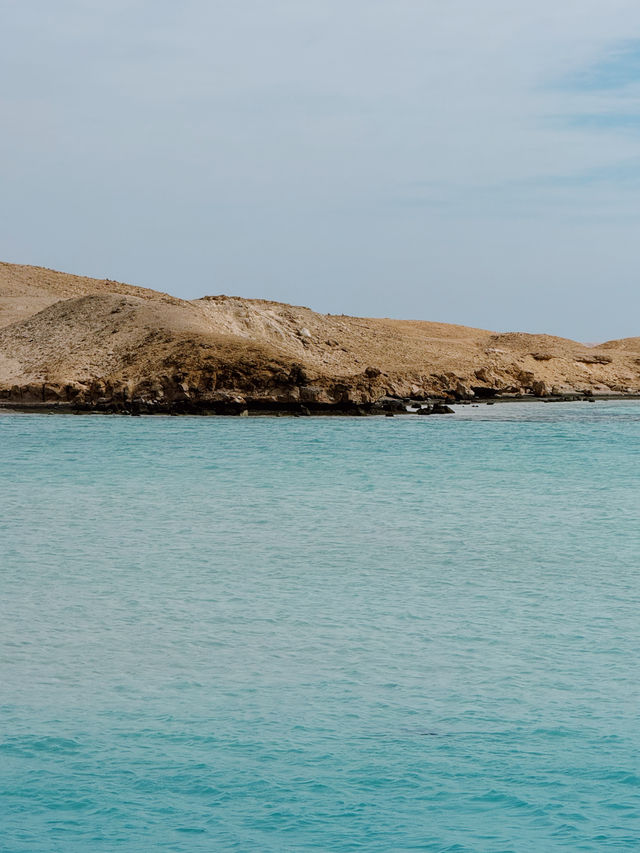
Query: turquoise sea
x=321 y=634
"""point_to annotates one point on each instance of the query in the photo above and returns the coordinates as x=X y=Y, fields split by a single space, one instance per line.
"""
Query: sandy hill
x=86 y=342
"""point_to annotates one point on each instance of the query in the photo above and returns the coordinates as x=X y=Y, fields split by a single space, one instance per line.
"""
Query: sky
x=452 y=160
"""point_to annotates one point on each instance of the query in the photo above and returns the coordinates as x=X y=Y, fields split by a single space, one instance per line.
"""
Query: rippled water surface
x=274 y=634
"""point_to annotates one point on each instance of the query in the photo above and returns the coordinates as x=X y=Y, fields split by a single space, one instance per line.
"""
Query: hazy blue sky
x=471 y=161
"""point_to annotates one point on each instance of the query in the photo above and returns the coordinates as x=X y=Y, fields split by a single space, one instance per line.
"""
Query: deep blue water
x=326 y=634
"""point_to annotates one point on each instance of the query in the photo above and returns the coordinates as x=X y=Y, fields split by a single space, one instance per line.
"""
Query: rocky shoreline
x=73 y=344
x=238 y=406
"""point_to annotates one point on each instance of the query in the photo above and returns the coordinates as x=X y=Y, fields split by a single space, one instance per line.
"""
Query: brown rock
x=78 y=340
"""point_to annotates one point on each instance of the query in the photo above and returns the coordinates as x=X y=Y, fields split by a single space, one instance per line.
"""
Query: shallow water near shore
x=334 y=634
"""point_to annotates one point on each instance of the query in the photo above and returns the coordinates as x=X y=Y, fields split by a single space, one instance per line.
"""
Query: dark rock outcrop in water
x=84 y=344
x=436 y=409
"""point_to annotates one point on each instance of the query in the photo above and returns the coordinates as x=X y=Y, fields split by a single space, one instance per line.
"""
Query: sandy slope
x=87 y=341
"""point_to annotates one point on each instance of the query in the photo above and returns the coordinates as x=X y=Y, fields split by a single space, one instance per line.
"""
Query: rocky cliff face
x=83 y=344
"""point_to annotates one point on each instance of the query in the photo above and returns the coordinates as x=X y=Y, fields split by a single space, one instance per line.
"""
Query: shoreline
x=388 y=407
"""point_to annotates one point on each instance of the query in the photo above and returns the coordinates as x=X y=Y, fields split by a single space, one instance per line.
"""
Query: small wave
x=29 y=746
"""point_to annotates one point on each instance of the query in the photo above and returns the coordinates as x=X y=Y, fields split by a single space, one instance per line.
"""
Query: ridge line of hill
x=79 y=343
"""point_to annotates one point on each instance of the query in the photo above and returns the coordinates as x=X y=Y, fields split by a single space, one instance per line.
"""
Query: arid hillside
x=85 y=343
